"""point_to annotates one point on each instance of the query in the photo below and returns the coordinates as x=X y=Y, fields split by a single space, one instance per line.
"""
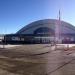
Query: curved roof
x=43 y=22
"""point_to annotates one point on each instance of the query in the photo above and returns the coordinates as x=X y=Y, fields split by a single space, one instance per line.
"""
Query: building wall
x=30 y=33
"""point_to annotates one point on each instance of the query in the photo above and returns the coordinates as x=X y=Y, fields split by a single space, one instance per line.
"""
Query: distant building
x=44 y=31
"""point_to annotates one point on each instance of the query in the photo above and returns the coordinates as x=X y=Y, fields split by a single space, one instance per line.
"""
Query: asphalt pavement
x=41 y=60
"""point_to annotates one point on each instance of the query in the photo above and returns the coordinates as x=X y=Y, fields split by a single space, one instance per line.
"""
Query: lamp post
x=58 y=31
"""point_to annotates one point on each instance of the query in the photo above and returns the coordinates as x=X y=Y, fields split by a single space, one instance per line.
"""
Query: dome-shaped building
x=45 y=31
x=46 y=26
x=48 y=29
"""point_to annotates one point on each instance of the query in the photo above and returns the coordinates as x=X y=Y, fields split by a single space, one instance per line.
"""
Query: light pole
x=58 y=31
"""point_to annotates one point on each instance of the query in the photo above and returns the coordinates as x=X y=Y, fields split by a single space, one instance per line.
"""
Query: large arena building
x=43 y=31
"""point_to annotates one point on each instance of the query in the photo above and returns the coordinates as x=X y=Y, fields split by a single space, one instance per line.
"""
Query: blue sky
x=15 y=14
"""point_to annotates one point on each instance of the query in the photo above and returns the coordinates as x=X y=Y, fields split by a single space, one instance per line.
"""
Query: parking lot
x=37 y=59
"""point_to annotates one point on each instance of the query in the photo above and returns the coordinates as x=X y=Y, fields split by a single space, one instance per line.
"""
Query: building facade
x=44 y=31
